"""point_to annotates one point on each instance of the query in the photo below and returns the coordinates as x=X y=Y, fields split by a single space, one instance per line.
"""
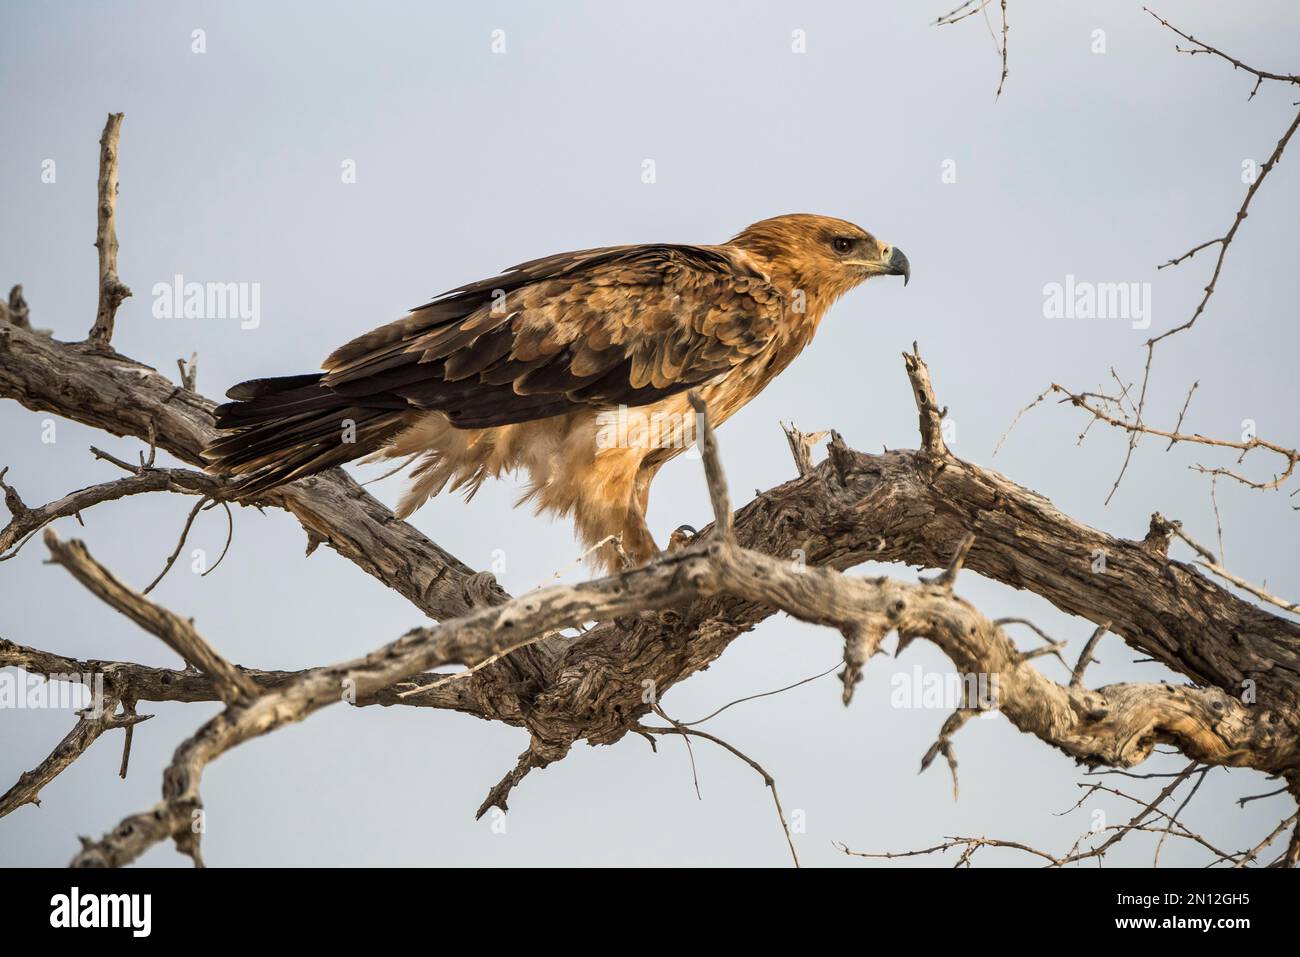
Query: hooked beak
x=892 y=262
x=896 y=264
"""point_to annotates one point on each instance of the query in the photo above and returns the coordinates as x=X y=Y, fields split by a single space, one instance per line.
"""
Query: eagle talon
x=683 y=536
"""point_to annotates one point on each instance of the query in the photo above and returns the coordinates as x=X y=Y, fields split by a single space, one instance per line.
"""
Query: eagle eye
x=842 y=244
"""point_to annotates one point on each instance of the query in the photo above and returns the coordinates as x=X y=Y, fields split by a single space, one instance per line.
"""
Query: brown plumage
x=573 y=368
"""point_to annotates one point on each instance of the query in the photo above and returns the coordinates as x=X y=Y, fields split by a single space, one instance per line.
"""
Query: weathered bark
x=89 y=726
x=908 y=506
x=123 y=397
x=175 y=632
x=1118 y=725
x=111 y=289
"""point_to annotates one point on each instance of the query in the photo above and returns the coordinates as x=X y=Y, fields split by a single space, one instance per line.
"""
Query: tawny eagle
x=573 y=368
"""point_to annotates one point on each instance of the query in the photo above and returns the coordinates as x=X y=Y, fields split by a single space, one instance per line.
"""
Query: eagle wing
x=624 y=325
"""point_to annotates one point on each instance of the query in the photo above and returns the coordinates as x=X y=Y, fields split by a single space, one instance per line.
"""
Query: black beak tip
x=899 y=266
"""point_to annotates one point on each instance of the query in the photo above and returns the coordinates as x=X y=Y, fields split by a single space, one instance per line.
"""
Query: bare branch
x=148 y=683
x=180 y=543
x=969 y=845
x=1003 y=51
x=26 y=521
x=801 y=445
x=1136 y=427
x=768 y=780
x=1085 y=657
x=16 y=311
x=490 y=631
x=94 y=721
x=931 y=415
x=123 y=397
x=189 y=373
x=1261 y=593
x=948 y=577
x=496 y=798
x=1224 y=241
x=968 y=9
x=1260 y=75
x=175 y=632
x=943 y=744
x=111 y=289
x=718 y=494
x=1269 y=839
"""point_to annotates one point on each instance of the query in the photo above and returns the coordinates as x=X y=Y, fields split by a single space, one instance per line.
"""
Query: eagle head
x=820 y=255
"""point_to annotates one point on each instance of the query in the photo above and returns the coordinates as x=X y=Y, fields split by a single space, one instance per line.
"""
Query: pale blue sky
x=1096 y=165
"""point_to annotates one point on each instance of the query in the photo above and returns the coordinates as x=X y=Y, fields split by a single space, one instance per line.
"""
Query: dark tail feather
x=287 y=428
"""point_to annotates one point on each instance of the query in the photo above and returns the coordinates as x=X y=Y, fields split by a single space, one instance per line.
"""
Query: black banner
x=135 y=906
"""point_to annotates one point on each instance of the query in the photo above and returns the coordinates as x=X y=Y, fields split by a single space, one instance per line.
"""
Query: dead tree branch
x=1118 y=725
x=111 y=289
x=968 y=9
x=124 y=397
x=26 y=521
x=1136 y=427
x=175 y=632
x=101 y=716
x=1094 y=405
x=1200 y=47
x=853 y=506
